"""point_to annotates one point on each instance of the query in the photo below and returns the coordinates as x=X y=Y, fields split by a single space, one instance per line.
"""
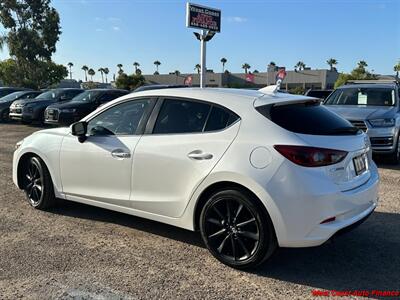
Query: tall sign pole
x=209 y=21
x=203 y=54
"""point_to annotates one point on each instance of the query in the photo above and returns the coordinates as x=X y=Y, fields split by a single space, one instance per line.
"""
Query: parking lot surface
x=77 y=251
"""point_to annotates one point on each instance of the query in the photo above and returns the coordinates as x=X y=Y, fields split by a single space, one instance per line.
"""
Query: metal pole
x=203 y=59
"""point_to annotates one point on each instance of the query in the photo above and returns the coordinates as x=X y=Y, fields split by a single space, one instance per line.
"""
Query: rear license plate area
x=360 y=164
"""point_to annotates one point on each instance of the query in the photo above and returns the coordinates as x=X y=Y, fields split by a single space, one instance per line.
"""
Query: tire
x=4 y=116
x=395 y=157
x=236 y=230
x=38 y=185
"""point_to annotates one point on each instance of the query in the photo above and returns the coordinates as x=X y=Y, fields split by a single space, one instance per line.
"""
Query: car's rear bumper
x=305 y=201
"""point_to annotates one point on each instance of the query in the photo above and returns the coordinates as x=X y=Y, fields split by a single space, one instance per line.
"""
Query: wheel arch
x=224 y=185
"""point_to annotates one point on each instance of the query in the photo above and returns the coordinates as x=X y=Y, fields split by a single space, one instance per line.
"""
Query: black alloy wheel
x=38 y=185
x=236 y=231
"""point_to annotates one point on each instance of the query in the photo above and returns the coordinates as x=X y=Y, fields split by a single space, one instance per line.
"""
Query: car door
x=179 y=149
x=100 y=168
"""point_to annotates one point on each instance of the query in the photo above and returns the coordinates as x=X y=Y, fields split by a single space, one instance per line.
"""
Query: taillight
x=311 y=156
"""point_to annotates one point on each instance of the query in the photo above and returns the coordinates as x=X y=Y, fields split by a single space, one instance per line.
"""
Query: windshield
x=362 y=96
x=12 y=96
x=87 y=96
x=47 y=95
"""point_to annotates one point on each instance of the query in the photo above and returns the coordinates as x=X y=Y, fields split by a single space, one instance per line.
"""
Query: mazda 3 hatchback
x=250 y=170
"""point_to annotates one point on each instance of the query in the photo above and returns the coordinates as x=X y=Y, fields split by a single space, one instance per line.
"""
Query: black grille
x=359 y=124
x=381 y=141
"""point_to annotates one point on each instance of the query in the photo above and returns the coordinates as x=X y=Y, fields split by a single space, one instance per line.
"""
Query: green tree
x=101 y=70
x=299 y=66
x=246 y=67
x=358 y=73
x=136 y=65
x=70 y=65
x=332 y=63
x=85 y=69
x=120 y=71
x=396 y=68
x=197 y=67
x=33 y=29
x=157 y=63
x=129 y=82
x=47 y=74
x=223 y=61
x=91 y=73
x=106 y=71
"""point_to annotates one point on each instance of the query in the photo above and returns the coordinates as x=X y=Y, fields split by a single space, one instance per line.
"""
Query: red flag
x=188 y=80
x=250 y=77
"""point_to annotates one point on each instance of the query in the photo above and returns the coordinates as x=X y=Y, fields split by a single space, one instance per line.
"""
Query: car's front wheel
x=38 y=185
x=236 y=230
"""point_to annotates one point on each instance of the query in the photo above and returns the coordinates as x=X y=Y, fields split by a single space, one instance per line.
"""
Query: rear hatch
x=318 y=127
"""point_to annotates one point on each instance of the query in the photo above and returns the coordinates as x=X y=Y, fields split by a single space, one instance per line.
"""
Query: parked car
x=4 y=91
x=251 y=170
x=321 y=94
x=29 y=111
x=68 y=112
x=373 y=108
x=6 y=101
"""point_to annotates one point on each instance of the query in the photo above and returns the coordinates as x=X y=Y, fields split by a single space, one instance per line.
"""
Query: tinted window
x=177 y=116
x=362 y=96
x=219 y=119
x=4 y=92
x=122 y=119
x=12 y=96
x=87 y=96
x=308 y=118
x=69 y=94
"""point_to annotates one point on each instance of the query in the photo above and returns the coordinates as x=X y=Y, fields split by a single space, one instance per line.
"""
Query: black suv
x=33 y=110
x=6 y=101
x=83 y=104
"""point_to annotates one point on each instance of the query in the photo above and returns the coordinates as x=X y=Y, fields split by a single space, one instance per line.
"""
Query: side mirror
x=79 y=129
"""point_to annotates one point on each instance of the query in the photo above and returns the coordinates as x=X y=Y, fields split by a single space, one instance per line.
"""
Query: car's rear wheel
x=38 y=185
x=236 y=230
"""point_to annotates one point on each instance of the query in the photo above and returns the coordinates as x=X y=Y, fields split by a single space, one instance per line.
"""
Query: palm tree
x=299 y=66
x=120 y=71
x=223 y=61
x=362 y=64
x=85 y=69
x=70 y=65
x=91 y=73
x=101 y=70
x=272 y=63
x=157 y=64
x=246 y=67
x=106 y=71
x=197 y=67
x=136 y=65
x=332 y=63
x=177 y=73
x=396 y=68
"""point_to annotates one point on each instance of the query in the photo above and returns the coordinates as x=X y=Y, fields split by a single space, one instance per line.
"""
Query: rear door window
x=308 y=118
x=180 y=116
x=219 y=119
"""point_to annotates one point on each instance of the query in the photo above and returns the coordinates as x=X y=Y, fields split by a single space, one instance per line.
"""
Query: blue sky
x=103 y=33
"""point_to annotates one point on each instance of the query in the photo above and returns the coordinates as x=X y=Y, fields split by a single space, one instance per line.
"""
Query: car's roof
x=107 y=90
x=223 y=96
x=368 y=85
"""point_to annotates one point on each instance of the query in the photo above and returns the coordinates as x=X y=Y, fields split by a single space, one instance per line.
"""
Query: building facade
x=305 y=79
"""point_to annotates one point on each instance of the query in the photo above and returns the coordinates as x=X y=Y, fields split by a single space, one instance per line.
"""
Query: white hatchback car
x=251 y=170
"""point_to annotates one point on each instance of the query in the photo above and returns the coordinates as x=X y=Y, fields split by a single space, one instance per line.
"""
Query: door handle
x=120 y=154
x=199 y=155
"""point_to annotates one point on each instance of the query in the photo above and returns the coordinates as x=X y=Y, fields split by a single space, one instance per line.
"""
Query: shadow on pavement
x=367 y=258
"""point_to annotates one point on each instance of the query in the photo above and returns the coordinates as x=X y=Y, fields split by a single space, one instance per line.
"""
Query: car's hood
x=71 y=104
x=54 y=131
x=360 y=112
x=33 y=101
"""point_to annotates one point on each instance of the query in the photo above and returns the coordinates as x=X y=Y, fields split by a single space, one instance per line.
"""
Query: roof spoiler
x=270 y=89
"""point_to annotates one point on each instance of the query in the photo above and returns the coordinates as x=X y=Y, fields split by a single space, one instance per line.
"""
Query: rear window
x=308 y=118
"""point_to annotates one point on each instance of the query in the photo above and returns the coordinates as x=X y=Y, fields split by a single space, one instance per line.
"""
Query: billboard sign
x=202 y=17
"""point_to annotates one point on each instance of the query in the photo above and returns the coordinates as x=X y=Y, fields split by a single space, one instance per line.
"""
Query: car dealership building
x=306 y=79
